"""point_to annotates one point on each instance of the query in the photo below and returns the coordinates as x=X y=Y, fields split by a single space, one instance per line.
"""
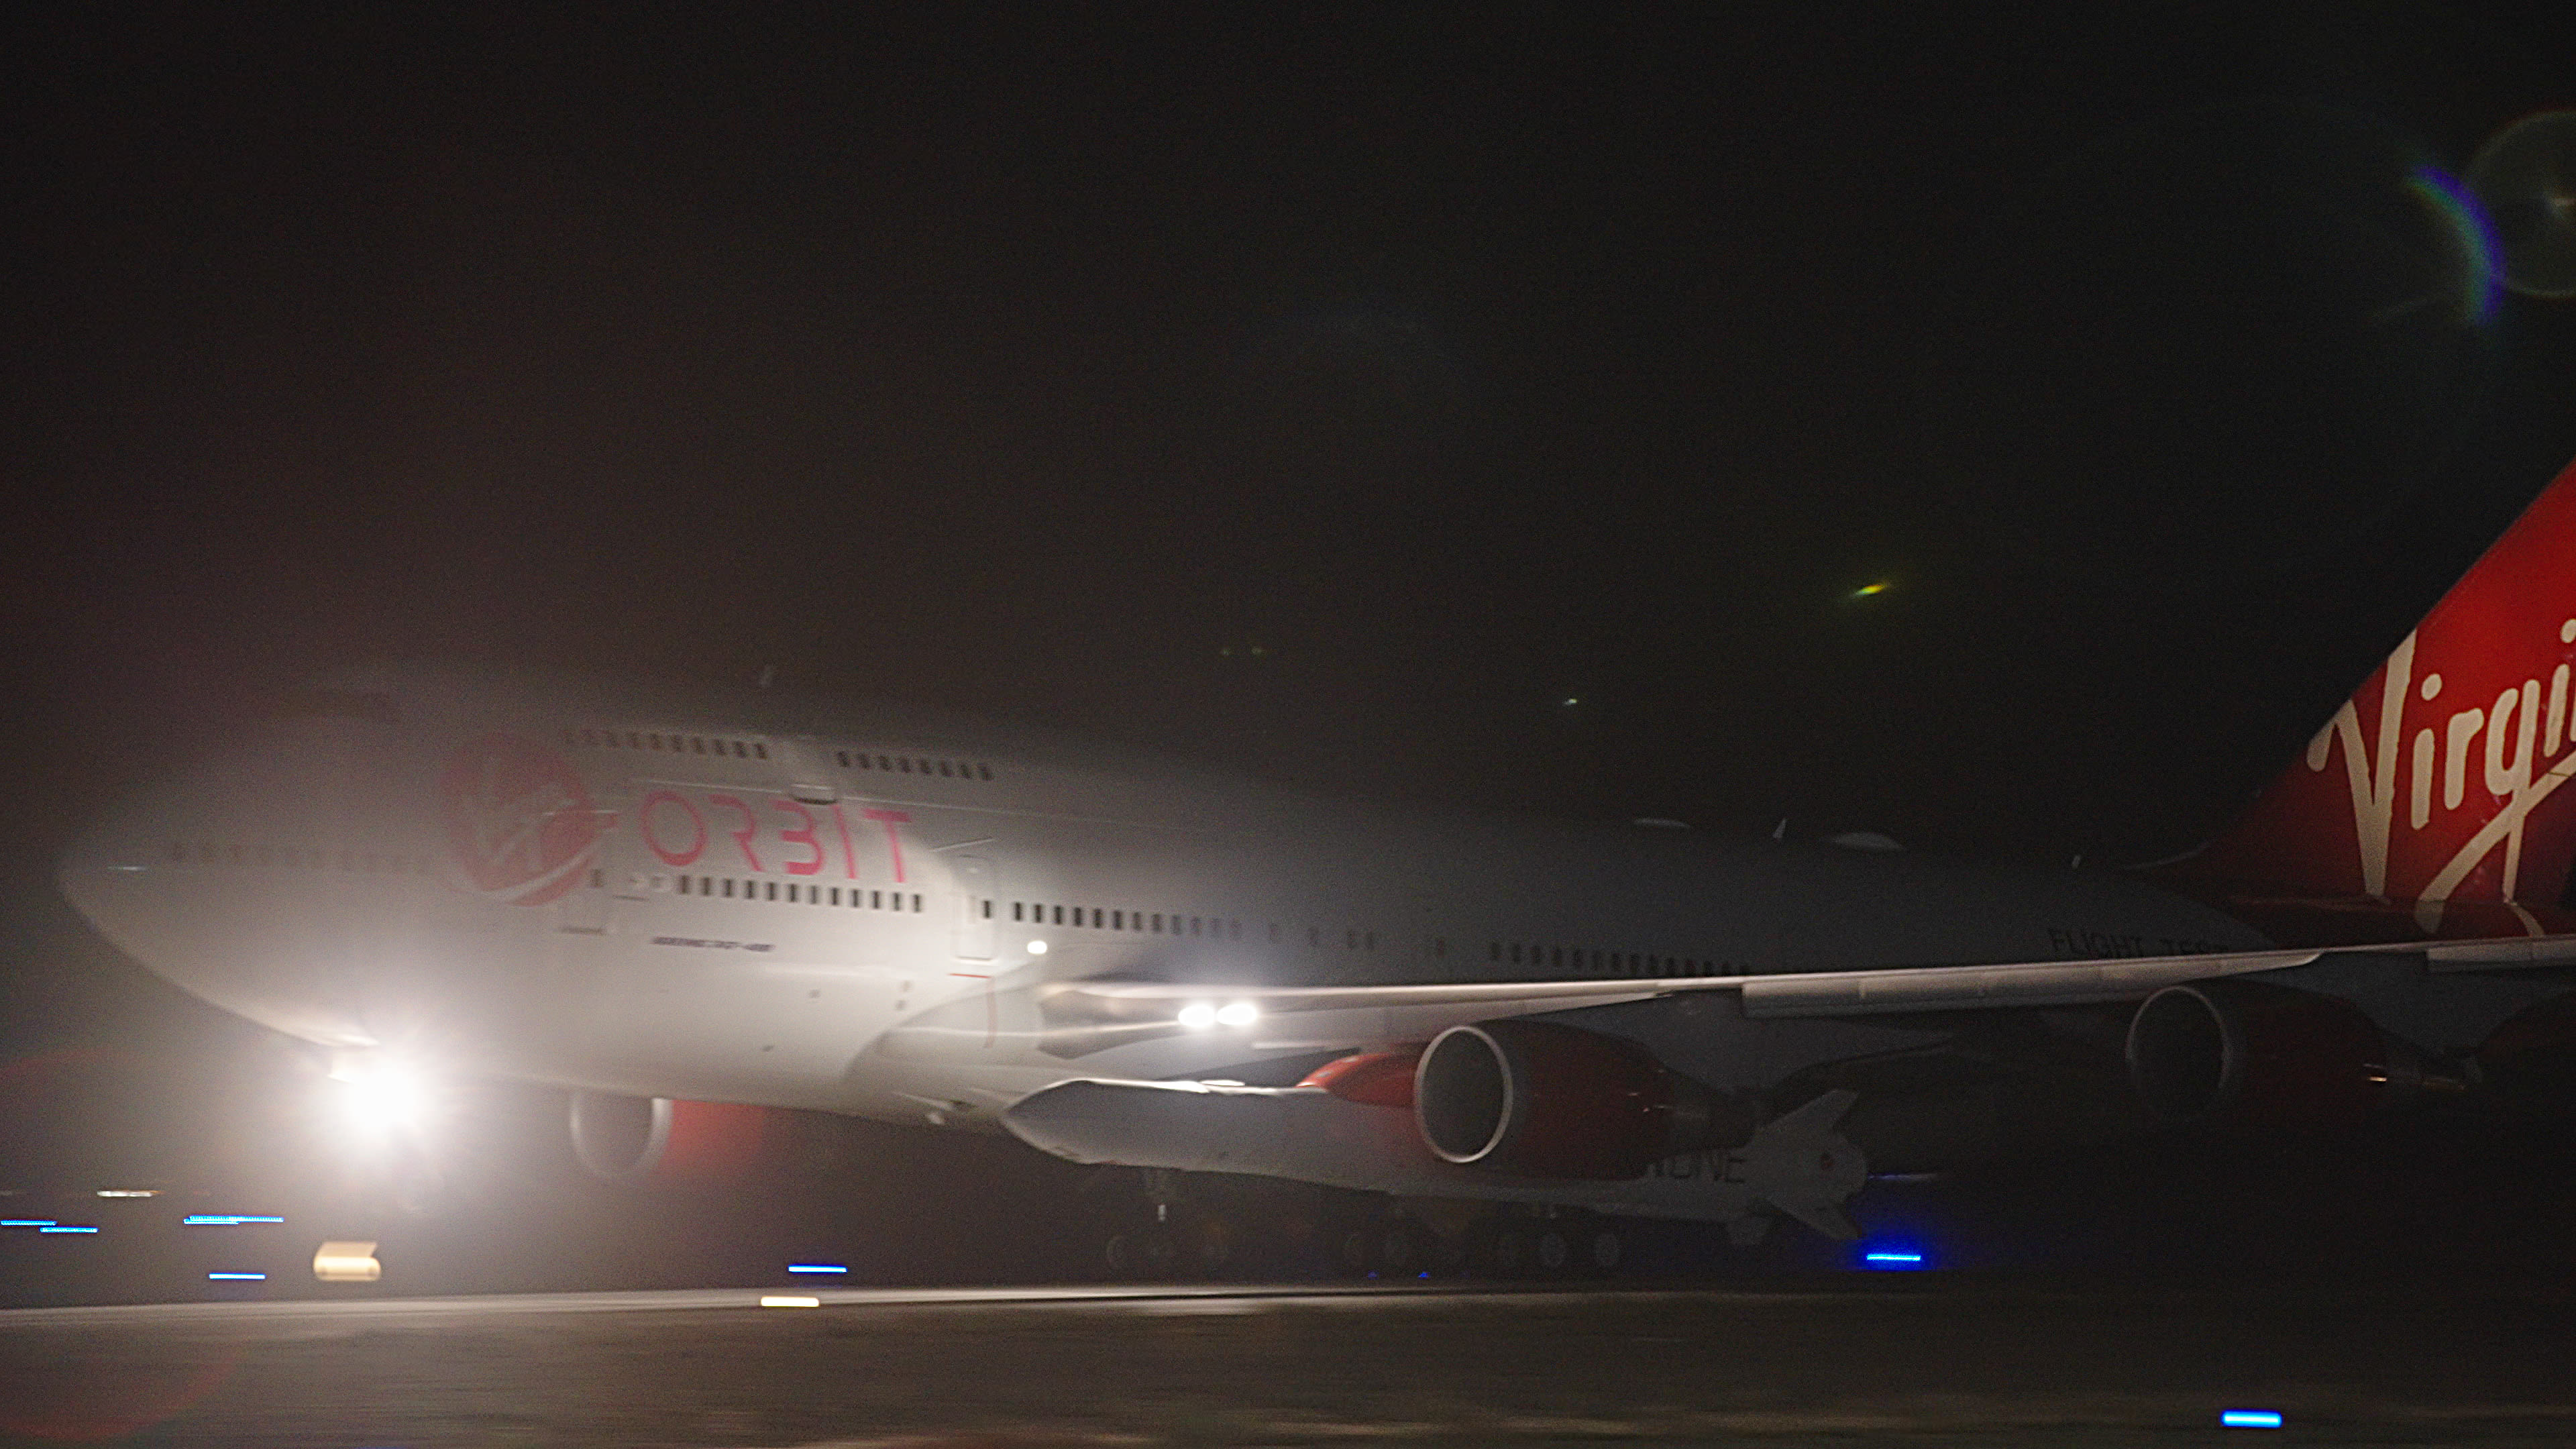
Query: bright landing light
x=1200 y=1015
x=381 y=1097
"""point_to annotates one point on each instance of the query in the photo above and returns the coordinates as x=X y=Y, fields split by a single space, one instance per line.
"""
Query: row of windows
x=905 y=764
x=794 y=893
x=672 y=744
x=289 y=857
x=1576 y=959
x=1586 y=962
x=1151 y=923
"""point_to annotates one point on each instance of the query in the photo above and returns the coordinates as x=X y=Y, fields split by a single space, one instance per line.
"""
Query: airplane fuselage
x=723 y=900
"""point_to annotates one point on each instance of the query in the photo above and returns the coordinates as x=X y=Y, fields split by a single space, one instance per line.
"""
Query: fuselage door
x=975 y=891
x=808 y=768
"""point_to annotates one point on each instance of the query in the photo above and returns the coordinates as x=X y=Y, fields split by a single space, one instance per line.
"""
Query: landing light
x=1198 y=1016
x=381 y=1097
x=1237 y=1013
x=1037 y=948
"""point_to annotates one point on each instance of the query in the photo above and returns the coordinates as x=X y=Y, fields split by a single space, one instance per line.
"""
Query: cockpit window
x=334 y=704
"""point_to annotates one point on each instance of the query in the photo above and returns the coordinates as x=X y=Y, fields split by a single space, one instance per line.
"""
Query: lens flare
x=2472 y=232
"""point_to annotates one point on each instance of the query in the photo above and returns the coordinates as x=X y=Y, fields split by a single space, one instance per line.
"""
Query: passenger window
x=983 y=772
x=1016 y=907
x=1157 y=924
x=1118 y=920
x=1236 y=928
x=737 y=749
x=988 y=910
x=907 y=765
x=944 y=772
x=759 y=751
x=916 y=903
x=728 y=888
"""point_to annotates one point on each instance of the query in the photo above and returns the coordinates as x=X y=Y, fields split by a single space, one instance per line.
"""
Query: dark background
x=1334 y=392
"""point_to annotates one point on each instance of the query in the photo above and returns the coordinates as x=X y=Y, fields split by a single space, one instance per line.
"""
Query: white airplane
x=694 y=911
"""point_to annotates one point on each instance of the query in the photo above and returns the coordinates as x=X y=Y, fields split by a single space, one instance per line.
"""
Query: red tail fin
x=2434 y=792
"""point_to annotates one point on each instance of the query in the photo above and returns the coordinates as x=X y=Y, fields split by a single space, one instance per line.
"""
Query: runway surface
x=1928 y=1359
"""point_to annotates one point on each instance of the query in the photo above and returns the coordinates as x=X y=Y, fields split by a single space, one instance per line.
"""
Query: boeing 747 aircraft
x=695 y=911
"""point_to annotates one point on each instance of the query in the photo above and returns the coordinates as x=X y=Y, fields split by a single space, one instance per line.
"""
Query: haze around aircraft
x=698 y=912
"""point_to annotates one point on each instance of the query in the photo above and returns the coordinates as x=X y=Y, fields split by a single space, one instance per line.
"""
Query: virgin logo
x=519 y=822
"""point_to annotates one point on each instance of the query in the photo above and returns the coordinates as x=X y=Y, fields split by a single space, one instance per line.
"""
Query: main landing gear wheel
x=1553 y=1251
x=1145 y=1253
x=1604 y=1248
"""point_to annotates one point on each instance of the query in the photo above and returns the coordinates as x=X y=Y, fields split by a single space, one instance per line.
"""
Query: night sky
x=1335 y=393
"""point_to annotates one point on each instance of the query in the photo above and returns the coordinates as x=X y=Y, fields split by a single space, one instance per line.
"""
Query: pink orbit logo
x=519 y=821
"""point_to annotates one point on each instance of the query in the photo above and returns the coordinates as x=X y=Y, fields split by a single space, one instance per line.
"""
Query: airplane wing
x=1085 y=1016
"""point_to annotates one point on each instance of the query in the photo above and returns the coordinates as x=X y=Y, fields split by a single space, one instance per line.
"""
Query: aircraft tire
x=1604 y=1249
x=1552 y=1252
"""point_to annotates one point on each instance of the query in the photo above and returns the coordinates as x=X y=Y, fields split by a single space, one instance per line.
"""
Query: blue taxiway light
x=225 y=1220
x=239 y=1277
x=1891 y=1257
x=58 y=1228
x=817 y=1268
x=26 y=1222
x=2249 y=1419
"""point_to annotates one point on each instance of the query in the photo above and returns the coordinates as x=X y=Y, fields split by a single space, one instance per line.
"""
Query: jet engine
x=2256 y=1054
x=1541 y=1099
x=664 y=1140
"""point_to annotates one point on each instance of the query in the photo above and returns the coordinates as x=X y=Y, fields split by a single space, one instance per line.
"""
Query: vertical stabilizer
x=2432 y=802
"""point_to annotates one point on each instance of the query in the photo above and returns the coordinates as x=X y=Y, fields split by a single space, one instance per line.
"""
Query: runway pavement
x=1928 y=1359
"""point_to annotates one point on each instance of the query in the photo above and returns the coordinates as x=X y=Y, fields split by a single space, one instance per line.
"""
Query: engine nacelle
x=2253 y=1053
x=2531 y=1058
x=667 y=1140
x=1541 y=1099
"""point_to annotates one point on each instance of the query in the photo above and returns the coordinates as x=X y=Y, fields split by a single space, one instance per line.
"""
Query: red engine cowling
x=667 y=1141
x=2531 y=1058
x=2255 y=1054
x=1541 y=1099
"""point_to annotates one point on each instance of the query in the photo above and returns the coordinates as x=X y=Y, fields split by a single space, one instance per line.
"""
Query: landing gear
x=1192 y=1228
x=1512 y=1245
